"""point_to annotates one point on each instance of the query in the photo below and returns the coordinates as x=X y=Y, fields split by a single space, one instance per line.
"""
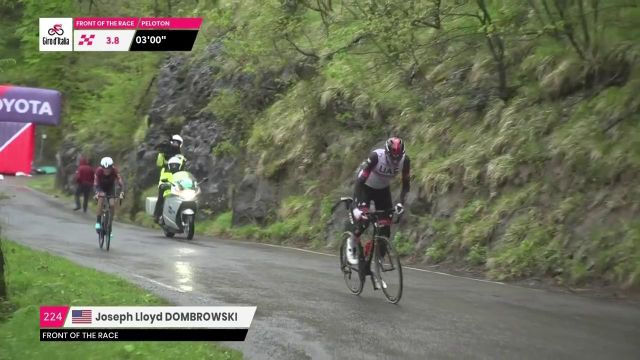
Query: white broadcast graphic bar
x=120 y=317
x=102 y=40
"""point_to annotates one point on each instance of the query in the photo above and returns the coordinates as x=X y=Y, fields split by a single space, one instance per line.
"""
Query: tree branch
x=585 y=27
x=419 y=22
x=303 y=52
x=351 y=44
x=465 y=14
x=436 y=24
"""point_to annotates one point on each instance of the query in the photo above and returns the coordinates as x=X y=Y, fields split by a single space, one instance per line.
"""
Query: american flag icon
x=81 y=316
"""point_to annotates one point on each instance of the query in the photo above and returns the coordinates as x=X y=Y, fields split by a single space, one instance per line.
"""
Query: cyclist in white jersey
x=372 y=184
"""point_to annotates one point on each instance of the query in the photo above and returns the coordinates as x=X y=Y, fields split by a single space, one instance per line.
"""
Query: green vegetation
x=44 y=183
x=296 y=225
x=106 y=95
x=402 y=244
x=514 y=109
x=521 y=118
x=35 y=278
x=47 y=185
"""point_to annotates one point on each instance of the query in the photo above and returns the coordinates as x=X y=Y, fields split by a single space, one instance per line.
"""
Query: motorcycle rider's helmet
x=106 y=162
x=175 y=164
x=177 y=139
x=394 y=149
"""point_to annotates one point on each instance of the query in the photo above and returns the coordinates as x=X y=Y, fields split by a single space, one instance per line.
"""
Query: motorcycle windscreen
x=184 y=179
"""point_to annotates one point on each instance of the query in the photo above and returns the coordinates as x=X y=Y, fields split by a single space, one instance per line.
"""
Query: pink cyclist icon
x=56 y=29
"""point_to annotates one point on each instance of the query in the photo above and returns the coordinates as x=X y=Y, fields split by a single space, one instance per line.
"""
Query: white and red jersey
x=379 y=170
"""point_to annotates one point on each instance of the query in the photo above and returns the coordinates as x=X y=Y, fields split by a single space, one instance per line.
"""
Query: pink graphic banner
x=105 y=23
x=53 y=316
x=170 y=23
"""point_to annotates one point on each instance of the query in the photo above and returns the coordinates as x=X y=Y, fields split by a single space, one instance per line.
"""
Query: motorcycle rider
x=167 y=151
x=174 y=165
x=372 y=184
x=104 y=183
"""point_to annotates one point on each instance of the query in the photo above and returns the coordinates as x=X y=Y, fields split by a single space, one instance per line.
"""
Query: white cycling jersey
x=384 y=171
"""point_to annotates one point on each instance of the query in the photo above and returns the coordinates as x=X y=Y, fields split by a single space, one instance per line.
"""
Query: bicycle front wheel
x=106 y=229
x=388 y=269
x=351 y=273
x=101 y=237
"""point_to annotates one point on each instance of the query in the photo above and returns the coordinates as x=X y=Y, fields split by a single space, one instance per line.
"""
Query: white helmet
x=175 y=163
x=106 y=162
x=177 y=138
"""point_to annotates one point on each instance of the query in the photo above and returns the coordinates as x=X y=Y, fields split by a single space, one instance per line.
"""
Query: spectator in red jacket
x=84 y=181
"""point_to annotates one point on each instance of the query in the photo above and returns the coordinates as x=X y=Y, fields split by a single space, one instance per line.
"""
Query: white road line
x=159 y=283
x=456 y=276
x=292 y=248
x=405 y=267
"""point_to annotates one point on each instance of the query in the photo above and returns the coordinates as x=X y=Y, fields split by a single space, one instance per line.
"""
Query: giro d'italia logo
x=55 y=34
x=57 y=30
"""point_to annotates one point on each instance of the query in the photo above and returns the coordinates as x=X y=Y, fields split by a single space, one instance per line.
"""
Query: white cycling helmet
x=175 y=163
x=106 y=162
x=177 y=138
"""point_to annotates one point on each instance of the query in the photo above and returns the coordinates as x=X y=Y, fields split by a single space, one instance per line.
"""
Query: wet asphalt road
x=306 y=312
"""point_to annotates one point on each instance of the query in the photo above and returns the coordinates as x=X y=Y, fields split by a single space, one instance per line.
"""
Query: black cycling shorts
x=380 y=197
x=107 y=190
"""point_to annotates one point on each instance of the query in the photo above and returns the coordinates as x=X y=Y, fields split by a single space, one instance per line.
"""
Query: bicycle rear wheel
x=388 y=269
x=352 y=276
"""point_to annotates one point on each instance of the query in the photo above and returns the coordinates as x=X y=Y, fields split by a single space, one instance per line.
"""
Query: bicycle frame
x=378 y=248
x=106 y=211
x=371 y=246
x=106 y=205
x=378 y=219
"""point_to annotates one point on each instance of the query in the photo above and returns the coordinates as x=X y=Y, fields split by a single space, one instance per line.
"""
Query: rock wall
x=185 y=87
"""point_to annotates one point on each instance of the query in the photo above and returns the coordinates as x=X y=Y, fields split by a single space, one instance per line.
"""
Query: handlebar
x=372 y=214
x=109 y=197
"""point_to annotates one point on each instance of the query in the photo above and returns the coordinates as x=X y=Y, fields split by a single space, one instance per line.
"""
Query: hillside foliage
x=521 y=117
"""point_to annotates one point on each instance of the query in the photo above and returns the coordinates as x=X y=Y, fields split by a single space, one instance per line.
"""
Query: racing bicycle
x=106 y=221
x=377 y=259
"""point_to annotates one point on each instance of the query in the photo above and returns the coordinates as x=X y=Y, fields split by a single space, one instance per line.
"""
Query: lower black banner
x=133 y=334
x=163 y=40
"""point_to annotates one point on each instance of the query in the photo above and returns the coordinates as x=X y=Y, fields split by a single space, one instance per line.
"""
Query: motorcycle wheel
x=190 y=227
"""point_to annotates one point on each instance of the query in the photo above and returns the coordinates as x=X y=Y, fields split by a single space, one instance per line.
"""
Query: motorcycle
x=180 y=205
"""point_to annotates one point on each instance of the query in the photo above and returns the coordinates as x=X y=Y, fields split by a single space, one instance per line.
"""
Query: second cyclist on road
x=104 y=184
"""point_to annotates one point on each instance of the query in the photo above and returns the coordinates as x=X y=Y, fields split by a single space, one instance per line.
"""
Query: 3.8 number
x=115 y=40
x=52 y=316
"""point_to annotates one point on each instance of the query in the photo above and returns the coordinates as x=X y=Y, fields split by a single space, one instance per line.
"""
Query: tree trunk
x=3 y=285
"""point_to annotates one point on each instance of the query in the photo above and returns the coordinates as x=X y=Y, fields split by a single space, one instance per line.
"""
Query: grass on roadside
x=36 y=278
x=44 y=183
